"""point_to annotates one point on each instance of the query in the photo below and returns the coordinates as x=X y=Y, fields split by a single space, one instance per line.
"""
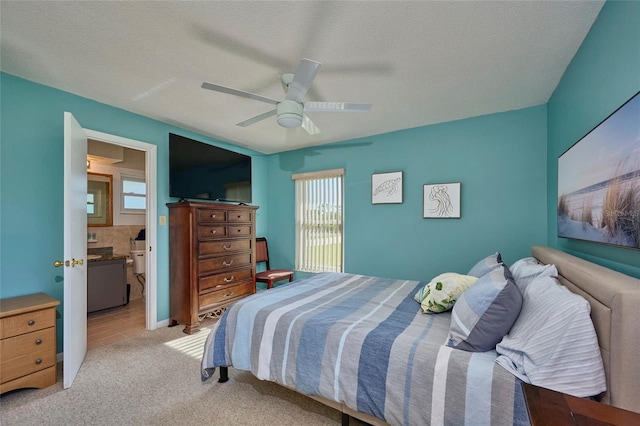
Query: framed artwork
x=442 y=201
x=386 y=188
x=599 y=182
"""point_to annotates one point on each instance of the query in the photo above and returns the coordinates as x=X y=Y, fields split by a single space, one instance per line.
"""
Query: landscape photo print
x=599 y=181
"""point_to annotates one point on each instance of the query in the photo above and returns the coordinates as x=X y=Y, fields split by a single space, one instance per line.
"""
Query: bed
x=364 y=346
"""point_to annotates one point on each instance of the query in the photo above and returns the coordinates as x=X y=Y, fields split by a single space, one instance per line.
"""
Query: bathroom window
x=134 y=194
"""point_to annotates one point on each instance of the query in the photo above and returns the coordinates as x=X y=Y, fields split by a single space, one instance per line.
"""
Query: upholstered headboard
x=615 y=311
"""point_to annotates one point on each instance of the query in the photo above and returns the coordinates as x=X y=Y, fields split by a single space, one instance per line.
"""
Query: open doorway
x=130 y=163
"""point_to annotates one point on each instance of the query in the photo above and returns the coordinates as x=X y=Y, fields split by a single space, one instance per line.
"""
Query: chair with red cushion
x=270 y=276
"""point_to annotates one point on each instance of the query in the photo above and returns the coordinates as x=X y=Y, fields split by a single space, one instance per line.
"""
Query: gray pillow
x=553 y=343
x=528 y=269
x=486 y=265
x=485 y=312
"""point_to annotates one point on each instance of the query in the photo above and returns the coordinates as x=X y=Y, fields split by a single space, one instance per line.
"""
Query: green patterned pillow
x=442 y=292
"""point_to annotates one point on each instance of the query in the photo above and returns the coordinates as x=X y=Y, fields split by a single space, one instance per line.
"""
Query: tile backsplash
x=118 y=237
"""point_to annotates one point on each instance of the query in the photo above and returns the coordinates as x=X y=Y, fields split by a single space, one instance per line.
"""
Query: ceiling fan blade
x=302 y=79
x=257 y=118
x=230 y=91
x=309 y=126
x=336 y=106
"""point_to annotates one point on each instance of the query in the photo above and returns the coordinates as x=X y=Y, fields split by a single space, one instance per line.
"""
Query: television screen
x=599 y=181
x=205 y=172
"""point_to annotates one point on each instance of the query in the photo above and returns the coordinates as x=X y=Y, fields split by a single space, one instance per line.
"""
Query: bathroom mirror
x=99 y=199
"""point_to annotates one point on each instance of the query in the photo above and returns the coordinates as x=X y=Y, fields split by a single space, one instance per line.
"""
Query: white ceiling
x=418 y=63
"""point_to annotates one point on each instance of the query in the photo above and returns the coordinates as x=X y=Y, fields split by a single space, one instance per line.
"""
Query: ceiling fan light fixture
x=289 y=113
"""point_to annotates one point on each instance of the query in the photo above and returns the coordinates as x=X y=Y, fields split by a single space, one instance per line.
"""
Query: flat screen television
x=599 y=181
x=201 y=171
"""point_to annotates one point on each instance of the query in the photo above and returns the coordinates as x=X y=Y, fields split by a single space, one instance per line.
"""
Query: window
x=134 y=194
x=319 y=221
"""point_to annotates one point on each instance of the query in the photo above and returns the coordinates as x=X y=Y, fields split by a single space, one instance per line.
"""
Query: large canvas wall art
x=599 y=181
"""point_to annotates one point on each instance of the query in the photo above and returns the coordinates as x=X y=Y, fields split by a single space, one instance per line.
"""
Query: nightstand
x=550 y=408
x=27 y=342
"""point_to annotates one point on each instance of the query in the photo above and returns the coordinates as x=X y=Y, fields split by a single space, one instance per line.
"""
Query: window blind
x=319 y=221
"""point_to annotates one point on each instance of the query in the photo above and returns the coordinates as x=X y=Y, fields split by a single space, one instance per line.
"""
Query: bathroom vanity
x=106 y=282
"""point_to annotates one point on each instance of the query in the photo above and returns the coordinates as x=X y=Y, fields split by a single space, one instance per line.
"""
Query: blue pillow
x=485 y=312
x=486 y=265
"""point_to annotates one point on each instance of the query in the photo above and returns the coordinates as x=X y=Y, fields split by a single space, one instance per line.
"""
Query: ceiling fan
x=290 y=111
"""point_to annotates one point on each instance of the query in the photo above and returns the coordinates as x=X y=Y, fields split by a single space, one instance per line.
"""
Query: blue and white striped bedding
x=362 y=341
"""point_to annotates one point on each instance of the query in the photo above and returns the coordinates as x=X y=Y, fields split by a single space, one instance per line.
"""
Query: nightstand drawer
x=26 y=323
x=24 y=365
x=15 y=347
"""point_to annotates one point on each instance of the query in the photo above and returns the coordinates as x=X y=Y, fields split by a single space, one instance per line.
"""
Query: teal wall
x=507 y=164
x=499 y=159
x=31 y=183
x=603 y=75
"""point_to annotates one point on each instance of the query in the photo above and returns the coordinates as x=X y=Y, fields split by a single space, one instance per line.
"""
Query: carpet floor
x=154 y=379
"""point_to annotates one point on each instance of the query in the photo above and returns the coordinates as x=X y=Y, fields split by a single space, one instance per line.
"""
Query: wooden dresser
x=211 y=259
x=28 y=345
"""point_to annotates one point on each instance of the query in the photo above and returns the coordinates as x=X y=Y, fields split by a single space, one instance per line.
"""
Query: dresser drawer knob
x=38 y=361
x=213 y=216
x=39 y=341
x=227 y=295
x=229 y=263
x=31 y=322
x=227 y=247
x=213 y=231
x=228 y=280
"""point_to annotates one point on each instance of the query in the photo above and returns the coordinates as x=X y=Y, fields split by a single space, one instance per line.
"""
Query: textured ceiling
x=418 y=63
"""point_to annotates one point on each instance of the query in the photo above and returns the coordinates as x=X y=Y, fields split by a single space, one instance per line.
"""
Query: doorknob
x=59 y=263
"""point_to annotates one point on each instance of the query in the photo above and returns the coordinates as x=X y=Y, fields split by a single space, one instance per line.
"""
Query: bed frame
x=615 y=311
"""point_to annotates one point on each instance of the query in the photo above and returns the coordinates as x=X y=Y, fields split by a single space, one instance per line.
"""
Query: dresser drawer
x=27 y=322
x=225 y=295
x=211 y=215
x=21 y=366
x=218 y=247
x=239 y=230
x=15 y=347
x=239 y=216
x=212 y=231
x=223 y=262
x=225 y=280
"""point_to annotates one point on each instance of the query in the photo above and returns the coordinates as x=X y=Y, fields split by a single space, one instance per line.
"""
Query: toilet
x=139 y=261
x=138 y=255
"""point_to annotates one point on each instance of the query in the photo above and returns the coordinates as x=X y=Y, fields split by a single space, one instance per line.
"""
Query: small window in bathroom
x=91 y=203
x=134 y=194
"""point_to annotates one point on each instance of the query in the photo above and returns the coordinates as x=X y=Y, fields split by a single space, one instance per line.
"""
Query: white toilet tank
x=139 y=261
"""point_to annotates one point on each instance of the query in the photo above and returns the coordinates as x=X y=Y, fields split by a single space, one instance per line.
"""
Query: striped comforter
x=362 y=341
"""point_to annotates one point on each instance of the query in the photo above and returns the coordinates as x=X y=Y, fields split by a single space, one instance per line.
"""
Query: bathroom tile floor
x=116 y=324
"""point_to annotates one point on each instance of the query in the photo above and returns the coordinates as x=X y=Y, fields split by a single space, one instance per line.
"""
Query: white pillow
x=553 y=343
x=527 y=269
x=440 y=294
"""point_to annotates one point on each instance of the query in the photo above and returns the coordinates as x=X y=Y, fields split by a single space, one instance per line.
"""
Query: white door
x=75 y=248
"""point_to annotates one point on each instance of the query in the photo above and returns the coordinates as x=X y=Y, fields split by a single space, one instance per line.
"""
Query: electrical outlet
x=163 y=220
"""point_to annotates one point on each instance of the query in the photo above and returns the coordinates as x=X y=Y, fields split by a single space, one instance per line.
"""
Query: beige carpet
x=154 y=379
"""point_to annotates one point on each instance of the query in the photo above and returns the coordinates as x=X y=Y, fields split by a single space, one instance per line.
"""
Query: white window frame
x=131 y=178
x=313 y=192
